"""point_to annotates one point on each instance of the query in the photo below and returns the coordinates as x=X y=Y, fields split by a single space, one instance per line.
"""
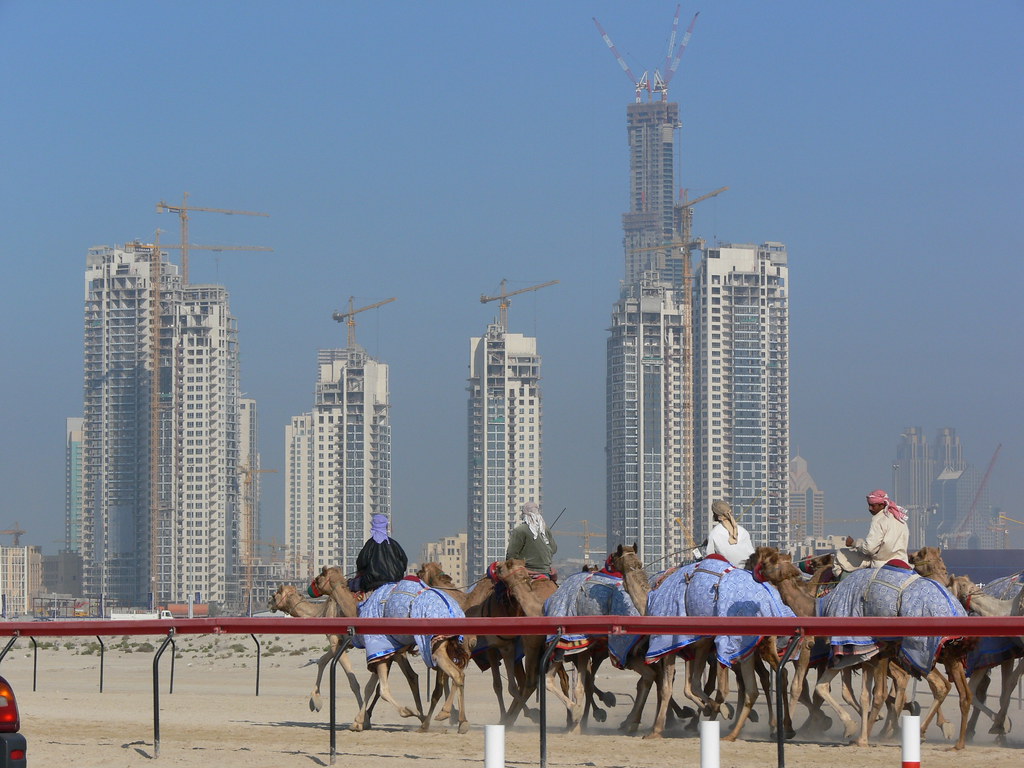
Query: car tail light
x=10 y=721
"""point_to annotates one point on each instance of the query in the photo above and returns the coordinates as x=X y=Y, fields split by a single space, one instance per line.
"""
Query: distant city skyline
x=887 y=163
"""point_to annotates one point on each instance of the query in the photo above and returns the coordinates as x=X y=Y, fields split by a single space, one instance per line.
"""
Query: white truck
x=140 y=615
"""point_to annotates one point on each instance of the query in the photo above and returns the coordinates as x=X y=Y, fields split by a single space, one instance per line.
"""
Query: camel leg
x=494 y=661
x=385 y=690
x=979 y=684
x=666 y=673
x=900 y=680
x=746 y=672
x=533 y=647
x=1011 y=675
x=879 y=676
x=693 y=688
x=450 y=670
x=359 y=723
x=644 y=684
x=959 y=677
x=823 y=689
x=940 y=688
x=435 y=696
x=414 y=686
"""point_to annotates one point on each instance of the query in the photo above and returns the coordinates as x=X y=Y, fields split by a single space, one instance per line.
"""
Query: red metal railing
x=972 y=626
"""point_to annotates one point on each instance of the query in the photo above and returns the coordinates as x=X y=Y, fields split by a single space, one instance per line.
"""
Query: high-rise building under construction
x=672 y=362
x=505 y=431
x=338 y=462
x=160 y=433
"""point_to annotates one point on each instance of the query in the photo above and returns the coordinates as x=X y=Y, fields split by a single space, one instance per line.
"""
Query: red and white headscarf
x=891 y=508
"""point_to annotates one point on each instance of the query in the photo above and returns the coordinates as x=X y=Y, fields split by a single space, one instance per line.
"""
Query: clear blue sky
x=428 y=150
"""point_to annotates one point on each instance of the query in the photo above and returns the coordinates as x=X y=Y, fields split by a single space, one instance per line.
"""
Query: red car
x=12 y=743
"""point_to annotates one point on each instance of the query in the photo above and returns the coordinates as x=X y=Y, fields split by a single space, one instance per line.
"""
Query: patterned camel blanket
x=409 y=598
x=593 y=594
x=1006 y=587
x=712 y=587
x=992 y=651
x=889 y=590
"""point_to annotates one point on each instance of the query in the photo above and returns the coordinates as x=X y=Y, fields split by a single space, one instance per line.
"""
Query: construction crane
x=16 y=532
x=586 y=534
x=504 y=296
x=350 y=316
x=248 y=541
x=963 y=529
x=685 y=241
x=183 y=211
x=672 y=59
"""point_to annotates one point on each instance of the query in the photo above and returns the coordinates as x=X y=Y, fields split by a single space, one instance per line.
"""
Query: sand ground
x=214 y=718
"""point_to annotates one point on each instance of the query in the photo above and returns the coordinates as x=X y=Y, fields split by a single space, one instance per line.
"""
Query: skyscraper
x=806 y=503
x=73 y=507
x=338 y=460
x=913 y=473
x=505 y=430
x=649 y=421
x=160 y=432
x=741 y=336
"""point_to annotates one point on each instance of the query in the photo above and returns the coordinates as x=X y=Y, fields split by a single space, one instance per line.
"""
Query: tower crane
x=685 y=240
x=963 y=530
x=183 y=211
x=16 y=532
x=586 y=534
x=249 y=521
x=672 y=59
x=504 y=296
x=350 y=319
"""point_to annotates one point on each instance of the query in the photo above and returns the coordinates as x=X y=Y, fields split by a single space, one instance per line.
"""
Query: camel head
x=759 y=555
x=962 y=587
x=432 y=575
x=512 y=570
x=777 y=567
x=284 y=595
x=625 y=559
x=928 y=562
x=329 y=578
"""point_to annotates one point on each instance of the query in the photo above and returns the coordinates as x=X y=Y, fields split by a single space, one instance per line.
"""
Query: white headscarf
x=533 y=518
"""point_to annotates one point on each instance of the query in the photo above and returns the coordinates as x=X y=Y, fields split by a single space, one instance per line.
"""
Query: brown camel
x=449 y=654
x=289 y=600
x=973 y=599
x=482 y=601
x=529 y=595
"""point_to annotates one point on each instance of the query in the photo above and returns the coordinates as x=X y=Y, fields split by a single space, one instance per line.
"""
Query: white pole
x=911 y=741
x=709 y=744
x=494 y=746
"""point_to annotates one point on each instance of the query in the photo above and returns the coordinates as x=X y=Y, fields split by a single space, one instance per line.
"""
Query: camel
x=779 y=570
x=983 y=604
x=702 y=649
x=482 y=601
x=449 y=654
x=289 y=600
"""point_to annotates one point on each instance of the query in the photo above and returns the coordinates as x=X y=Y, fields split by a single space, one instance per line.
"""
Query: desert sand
x=214 y=717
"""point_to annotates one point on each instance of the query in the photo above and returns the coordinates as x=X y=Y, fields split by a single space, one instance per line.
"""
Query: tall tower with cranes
x=338 y=456
x=505 y=467
x=649 y=409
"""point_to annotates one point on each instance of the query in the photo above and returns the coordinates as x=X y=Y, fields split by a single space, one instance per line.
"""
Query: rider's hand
x=849 y=541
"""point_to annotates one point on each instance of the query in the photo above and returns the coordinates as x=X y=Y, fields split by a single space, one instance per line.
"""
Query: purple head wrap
x=379 y=528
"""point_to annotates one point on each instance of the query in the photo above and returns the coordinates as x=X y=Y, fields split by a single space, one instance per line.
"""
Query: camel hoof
x=914 y=708
x=730 y=737
x=654 y=735
x=948 y=730
x=356 y=727
x=315 y=703
x=600 y=715
x=442 y=715
x=464 y=726
x=851 y=730
x=608 y=699
x=753 y=716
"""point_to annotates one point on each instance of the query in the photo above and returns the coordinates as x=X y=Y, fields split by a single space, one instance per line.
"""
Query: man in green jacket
x=532 y=541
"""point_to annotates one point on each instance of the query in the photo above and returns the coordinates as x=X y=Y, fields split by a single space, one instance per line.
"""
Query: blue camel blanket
x=713 y=587
x=409 y=598
x=593 y=594
x=890 y=590
x=991 y=651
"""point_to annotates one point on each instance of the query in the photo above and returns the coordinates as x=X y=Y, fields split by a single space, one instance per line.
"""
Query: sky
x=428 y=150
